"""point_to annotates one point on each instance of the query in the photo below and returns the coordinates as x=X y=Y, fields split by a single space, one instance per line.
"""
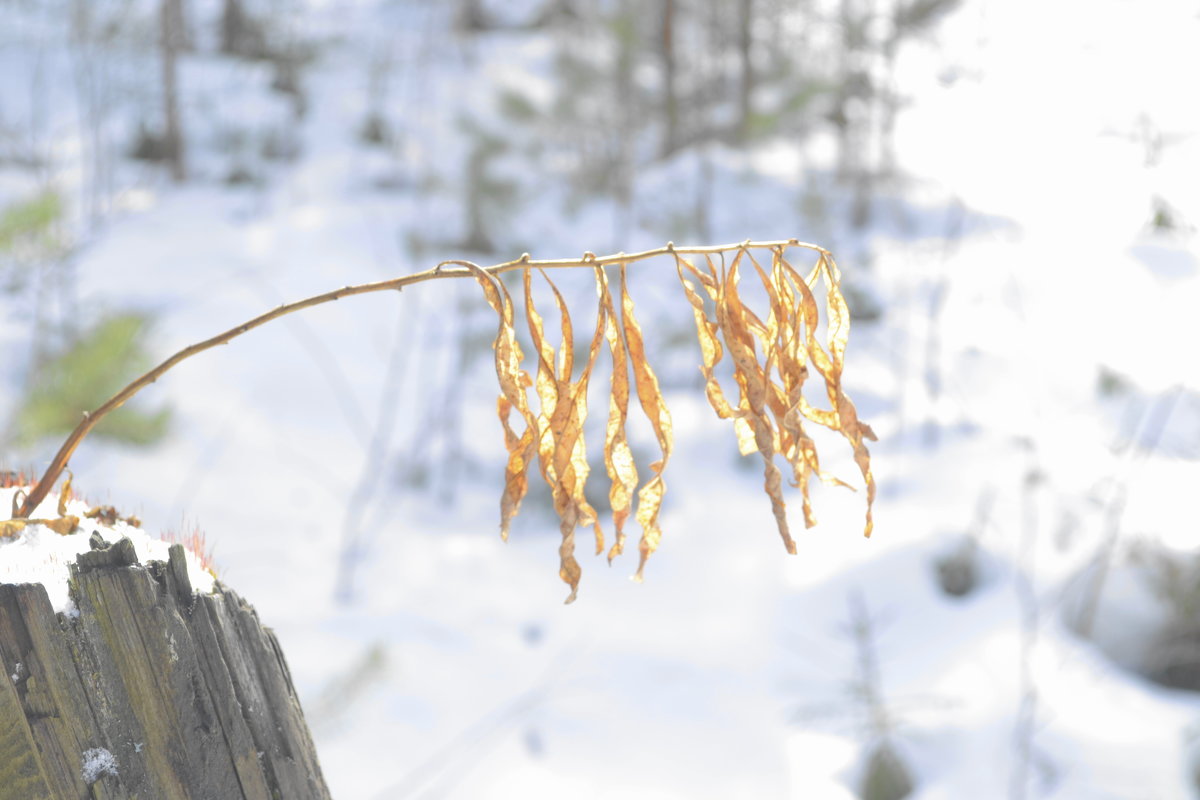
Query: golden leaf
x=110 y=515
x=771 y=356
x=740 y=330
x=513 y=382
x=842 y=416
x=802 y=454
x=618 y=458
x=570 y=452
x=706 y=332
x=64 y=494
x=545 y=385
x=106 y=514
x=650 y=496
x=745 y=437
x=62 y=526
x=561 y=450
x=838 y=325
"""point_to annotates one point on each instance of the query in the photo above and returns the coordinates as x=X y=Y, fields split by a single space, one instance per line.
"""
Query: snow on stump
x=150 y=690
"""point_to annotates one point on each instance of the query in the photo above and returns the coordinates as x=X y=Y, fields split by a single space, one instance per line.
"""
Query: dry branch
x=770 y=359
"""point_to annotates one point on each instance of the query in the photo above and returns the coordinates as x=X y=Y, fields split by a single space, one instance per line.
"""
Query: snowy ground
x=457 y=672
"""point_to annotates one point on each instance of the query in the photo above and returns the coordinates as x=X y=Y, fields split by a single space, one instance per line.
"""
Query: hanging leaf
x=562 y=454
x=771 y=355
x=650 y=496
x=513 y=383
x=740 y=327
x=64 y=494
x=618 y=458
x=707 y=334
x=830 y=367
x=570 y=451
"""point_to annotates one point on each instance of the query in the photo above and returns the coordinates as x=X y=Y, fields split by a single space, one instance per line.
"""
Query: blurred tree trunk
x=90 y=77
x=232 y=17
x=623 y=85
x=471 y=17
x=889 y=98
x=171 y=17
x=670 y=88
x=851 y=115
x=745 y=47
x=478 y=239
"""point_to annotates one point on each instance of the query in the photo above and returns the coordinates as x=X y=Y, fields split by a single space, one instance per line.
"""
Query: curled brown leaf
x=64 y=494
x=618 y=458
x=562 y=452
x=63 y=526
x=771 y=357
x=740 y=330
x=650 y=496
x=513 y=383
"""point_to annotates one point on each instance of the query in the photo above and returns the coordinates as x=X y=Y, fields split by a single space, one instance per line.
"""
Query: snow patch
x=39 y=555
x=97 y=762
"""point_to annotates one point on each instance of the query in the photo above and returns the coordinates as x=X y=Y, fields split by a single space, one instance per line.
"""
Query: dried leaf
x=706 y=332
x=618 y=458
x=62 y=526
x=650 y=496
x=838 y=325
x=803 y=453
x=790 y=358
x=740 y=332
x=545 y=385
x=570 y=451
x=842 y=417
x=110 y=516
x=64 y=495
x=745 y=436
x=105 y=514
x=561 y=450
x=513 y=382
x=785 y=338
x=771 y=358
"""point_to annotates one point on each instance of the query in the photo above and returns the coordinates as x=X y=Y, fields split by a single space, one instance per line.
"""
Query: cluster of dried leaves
x=65 y=523
x=771 y=360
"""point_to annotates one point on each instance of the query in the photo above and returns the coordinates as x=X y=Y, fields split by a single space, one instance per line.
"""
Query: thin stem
x=39 y=491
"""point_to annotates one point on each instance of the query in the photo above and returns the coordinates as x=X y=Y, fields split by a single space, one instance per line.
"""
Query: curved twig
x=467 y=270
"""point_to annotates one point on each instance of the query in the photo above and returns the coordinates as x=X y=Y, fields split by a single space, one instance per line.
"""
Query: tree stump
x=150 y=691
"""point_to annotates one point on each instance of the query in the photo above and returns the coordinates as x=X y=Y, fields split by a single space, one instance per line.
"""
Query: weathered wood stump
x=151 y=692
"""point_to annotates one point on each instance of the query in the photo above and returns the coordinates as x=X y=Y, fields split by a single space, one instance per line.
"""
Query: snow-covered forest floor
x=1031 y=374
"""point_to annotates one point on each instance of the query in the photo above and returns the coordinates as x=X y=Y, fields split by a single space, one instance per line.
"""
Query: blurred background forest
x=1011 y=190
